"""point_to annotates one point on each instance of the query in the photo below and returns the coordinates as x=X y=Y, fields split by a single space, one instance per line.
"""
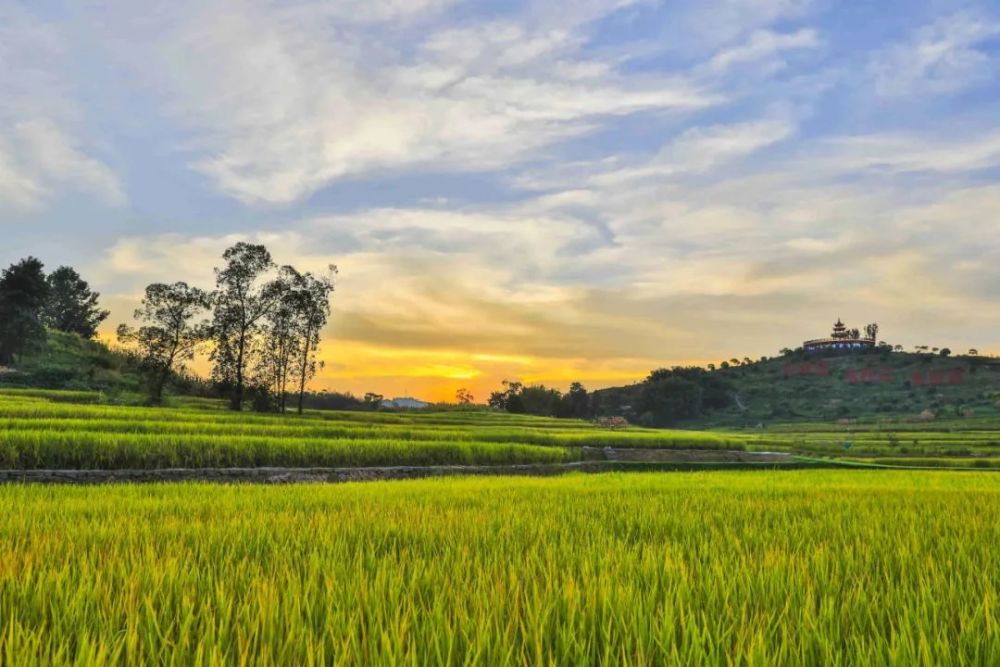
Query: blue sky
x=546 y=190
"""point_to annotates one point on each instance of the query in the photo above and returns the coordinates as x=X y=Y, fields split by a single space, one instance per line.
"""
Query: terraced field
x=72 y=430
x=860 y=566
x=75 y=430
x=968 y=439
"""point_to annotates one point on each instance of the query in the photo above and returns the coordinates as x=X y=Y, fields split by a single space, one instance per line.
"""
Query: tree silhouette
x=71 y=305
x=23 y=294
x=168 y=335
x=310 y=297
x=243 y=298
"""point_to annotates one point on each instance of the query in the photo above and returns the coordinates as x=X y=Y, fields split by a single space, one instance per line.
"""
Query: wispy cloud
x=40 y=161
x=724 y=23
x=765 y=46
x=943 y=57
x=42 y=154
x=902 y=152
x=700 y=149
x=283 y=102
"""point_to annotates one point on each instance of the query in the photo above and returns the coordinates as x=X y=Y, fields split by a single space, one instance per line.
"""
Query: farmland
x=853 y=566
x=42 y=429
x=839 y=567
x=45 y=429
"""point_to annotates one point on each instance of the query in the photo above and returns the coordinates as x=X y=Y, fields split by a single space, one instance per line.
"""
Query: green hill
x=860 y=386
x=67 y=361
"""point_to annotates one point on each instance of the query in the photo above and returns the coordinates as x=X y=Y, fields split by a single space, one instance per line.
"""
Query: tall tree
x=169 y=334
x=243 y=298
x=509 y=398
x=310 y=297
x=278 y=348
x=72 y=305
x=23 y=292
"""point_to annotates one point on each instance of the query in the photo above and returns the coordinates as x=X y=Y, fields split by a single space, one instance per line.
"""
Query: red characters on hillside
x=937 y=378
x=815 y=368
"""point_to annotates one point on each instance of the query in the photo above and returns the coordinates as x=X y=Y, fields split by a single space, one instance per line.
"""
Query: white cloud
x=42 y=151
x=369 y=10
x=763 y=254
x=723 y=22
x=17 y=189
x=282 y=103
x=39 y=160
x=764 y=45
x=895 y=153
x=53 y=156
x=940 y=58
x=701 y=149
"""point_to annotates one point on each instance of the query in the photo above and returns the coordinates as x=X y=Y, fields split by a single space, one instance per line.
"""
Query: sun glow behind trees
x=263 y=333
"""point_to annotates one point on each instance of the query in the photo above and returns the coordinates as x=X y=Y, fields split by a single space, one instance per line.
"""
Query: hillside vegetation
x=865 y=387
x=68 y=361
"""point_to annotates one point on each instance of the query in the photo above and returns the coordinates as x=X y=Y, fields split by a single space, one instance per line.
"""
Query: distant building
x=842 y=338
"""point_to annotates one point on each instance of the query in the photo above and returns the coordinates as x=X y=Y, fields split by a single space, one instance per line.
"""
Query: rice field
x=75 y=430
x=860 y=566
x=712 y=568
x=69 y=430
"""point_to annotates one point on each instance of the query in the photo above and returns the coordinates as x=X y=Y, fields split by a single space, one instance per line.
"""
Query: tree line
x=517 y=398
x=32 y=302
x=261 y=323
x=665 y=397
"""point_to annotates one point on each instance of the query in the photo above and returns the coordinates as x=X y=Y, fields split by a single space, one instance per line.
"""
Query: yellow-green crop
x=766 y=568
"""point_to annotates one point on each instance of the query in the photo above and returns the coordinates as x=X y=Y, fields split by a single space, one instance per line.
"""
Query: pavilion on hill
x=844 y=339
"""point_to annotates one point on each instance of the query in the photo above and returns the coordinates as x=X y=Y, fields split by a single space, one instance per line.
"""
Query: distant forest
x=666 y=396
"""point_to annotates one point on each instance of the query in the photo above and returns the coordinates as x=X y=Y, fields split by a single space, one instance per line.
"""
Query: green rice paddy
x=810 y=567
x=69 y=430
x=75 y=430
x=764 y=567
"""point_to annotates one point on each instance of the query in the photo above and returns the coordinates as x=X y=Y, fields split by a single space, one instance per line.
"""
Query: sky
x=541 y=190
